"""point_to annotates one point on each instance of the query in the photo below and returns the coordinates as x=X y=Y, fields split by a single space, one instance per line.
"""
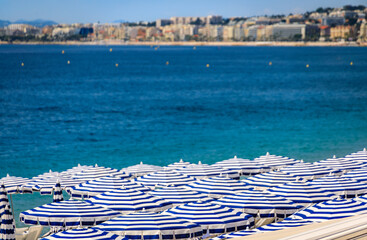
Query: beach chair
x=21 y=233
x=34 y=233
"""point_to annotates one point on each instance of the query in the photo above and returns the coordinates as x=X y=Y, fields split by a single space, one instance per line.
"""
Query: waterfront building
x=289 y=31
x=363 y=31
x=162 y=22
x=332 y=21
x=342 y=32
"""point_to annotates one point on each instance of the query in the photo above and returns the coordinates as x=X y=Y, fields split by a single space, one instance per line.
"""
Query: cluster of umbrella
x=234 y=197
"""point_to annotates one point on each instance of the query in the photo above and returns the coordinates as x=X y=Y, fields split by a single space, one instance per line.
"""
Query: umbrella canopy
x=7 y=228
x=98 y=172
x=284 y=224
x=342 y=164
x=332 y=209
x=243 y=233
x=13 y=184
x=58 y=193
x=67 y=214
x=274 y=161
x=244 y=166
x=177 y=165
x=51 y=174
x=260 y=204
x=46 y=185
x=361 y=198
x=77 y=169
x=101 y=185
x=3 y=198
x=200 y=171
x=360 y=156
x=270 y=179
x=213 y=218
x=84 y=233
x=142 y=169
x=308 y=170
x=357 y=174
x=302 y=193
x=129 y=201
x=164 y=178
x=147 y=225
x=179 y=195
x=217 y=187
x=341 y=186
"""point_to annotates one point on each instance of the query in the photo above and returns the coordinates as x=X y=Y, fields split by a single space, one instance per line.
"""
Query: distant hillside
x=37 y=23
x=4 y=23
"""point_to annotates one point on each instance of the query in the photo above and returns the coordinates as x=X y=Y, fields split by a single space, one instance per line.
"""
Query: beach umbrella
x=237 y=234
x=213 y=218
x=13 y=184
x=3 y=198
x=179 y=195
x=98 y=172
x=332 y=209
x=58 y=197
x=274 y=161
x=46 y=185
x=342 y=164
x=271 y=179
x=308 y=170
x=142 y=169
x=357 y=174
x=260 y=204
x=7 y=228
x=51 y=174
x=200 y=171
x=361 y=198
x=177 y=165
x=217 y=187
x=147 y=225
x=84 y=233
x=105 y=184
x=341 y=186
x=289 y=223
x=244 y=166
x=360 y=156
x=302 y=193
x=129 y=201
x=77 y=169
x=69 y=213
x=164 y=178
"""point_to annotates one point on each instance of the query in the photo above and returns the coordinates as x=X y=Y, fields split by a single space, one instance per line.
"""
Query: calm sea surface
x=54 y=115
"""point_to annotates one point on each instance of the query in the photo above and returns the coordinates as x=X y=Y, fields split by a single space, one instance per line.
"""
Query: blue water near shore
x=54 y=115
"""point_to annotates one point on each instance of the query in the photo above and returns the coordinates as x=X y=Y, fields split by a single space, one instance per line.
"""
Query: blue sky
x=69 y=11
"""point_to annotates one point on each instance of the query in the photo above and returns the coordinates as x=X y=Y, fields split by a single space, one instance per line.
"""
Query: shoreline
x=193 y=44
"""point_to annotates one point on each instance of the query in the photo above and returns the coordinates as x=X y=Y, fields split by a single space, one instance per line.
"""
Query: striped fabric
x=274 y=161
x=77 y=169
x=360 y=156
x=302 y=193
x=164 y=178
x=46 y=185
x=260 y=204
x=200 y=171
x=178 y=165
x=243 y=233
x=101 y=185
x=129 y=201
x=361 y=198
x=179 y=195
x=217 y=187
x=341 y=186
x=342 y=164
x=146 y=225
x=333 y=209
x=98 y=172
x=58 y=197
x=244 y=166
x=13 y=184
x=308 y=170
x=270 y=179
x=284 y=224
x=357 y=174
x=3 y=199
x=214 y=219
x=142 y=169
x=51 y=174
x=7 y=228
x=67 y=213
x=84 y=233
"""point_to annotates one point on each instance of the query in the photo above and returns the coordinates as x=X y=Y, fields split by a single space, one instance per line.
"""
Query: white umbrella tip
x=79 y=165
x=267 y=153
x=141 y=163
x=7 y=175
x=96 y=165
x=199 y=163
x=235 y=157
x=364 y=150
x=181 y=161
x=334 y=156
x=50 y=171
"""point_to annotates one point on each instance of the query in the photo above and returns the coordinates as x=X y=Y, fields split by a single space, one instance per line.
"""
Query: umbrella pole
x=12 y=206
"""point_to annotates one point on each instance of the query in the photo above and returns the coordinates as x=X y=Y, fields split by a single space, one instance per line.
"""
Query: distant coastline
x=224 y=44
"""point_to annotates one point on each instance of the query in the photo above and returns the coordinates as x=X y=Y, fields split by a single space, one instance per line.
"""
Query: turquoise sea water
x=54 y=115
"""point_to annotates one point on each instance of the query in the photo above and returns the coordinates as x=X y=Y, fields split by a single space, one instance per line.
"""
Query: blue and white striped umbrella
x=98 y=172
x=260 y=204
x=360 y=156
x=3 y=198
x=7 y=228
x=179 y=195
x=142 y=169
x=13 y=184
x=342 y=164
x=84 y=233
x=271 y=179
x=357 y=174
x=67 y=214
x=164 y=178
x=51 y=174
x=274 y=161
x=308 y=170
x=58 y=197
x=333 y=209
x=129 y=201
x=200 y=171
x=244 y=166
x=147 y=225
x=77 y=169
x=213 y=218
x=302 y=193
x=362 y=198
x=46 y=185
x=178 y=165
x=238 y=234
x=341 y=186
x=289 y=223
x=217 y=187
x=104 y=184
